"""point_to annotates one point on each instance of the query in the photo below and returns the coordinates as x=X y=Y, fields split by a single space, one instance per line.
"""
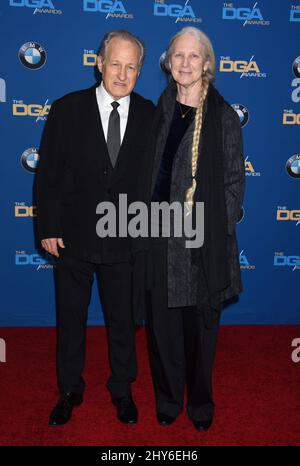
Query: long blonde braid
x=189 y=195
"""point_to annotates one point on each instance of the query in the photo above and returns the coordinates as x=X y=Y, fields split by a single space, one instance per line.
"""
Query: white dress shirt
x=104 y=100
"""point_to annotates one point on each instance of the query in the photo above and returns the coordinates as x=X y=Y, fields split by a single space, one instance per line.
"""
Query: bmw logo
x=162 y=63
x=242 y=113
x=296 y=67
x=241 y=215
x=32 y=55
x=293 y=166
x=29 y=159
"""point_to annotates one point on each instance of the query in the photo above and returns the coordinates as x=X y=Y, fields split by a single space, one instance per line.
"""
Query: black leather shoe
x=202 y=425
x=127 y=411
x=62 y=411
x=165 y=419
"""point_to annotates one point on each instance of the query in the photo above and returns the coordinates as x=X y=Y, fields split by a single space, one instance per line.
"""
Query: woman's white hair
x=207 y=77
x=209 y=55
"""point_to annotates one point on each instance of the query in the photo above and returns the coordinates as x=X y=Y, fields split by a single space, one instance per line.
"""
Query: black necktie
x=113 y=133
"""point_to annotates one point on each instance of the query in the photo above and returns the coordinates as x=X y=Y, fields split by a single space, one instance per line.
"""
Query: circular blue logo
x=32 y=55
x=241 y=215
x=242 y=112
x=162 y=62
x=293 y=166
x=29 y=159
x=296 y=67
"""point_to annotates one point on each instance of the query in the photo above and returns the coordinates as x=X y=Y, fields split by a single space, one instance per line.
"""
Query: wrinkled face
x=120 y=69
x=187 y=61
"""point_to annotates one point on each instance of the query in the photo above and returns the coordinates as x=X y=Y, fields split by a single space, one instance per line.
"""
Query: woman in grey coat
x=198 y=158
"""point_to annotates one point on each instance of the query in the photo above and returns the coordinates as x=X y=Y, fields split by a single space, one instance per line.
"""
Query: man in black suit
x=94 y=147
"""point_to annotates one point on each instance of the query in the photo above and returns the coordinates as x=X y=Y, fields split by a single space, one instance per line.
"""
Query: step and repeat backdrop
x=48 y=48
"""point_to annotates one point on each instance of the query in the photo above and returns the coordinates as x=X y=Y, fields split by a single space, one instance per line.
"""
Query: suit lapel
x=95 y=126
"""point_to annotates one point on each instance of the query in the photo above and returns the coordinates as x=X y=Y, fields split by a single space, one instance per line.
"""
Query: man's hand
x=50 y=245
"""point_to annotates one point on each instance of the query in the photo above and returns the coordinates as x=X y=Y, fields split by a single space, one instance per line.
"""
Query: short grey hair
x=125 y=35
x=209 y=54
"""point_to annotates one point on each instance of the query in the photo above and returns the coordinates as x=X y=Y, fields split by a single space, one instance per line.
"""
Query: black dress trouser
x=74 y=280
x=182 y=348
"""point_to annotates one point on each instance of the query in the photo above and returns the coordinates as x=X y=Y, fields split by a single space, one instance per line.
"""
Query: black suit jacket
x=75 y=174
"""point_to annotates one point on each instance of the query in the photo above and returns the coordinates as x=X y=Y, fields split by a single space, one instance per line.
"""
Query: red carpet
x=257 y=393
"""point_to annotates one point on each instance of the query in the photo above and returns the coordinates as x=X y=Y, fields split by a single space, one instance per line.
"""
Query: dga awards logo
x=282 y=260
x=89 y=58
x=39 y=111
x=285 y=215
x=250 y=169
x=296 y=81
x=29 y=159
x=24 y=211
x=242 y=112
x=2 y=90
x=32 y=55
x=289 y=117
x=244 y=262
x=246 y=68
x=293 y=166
x=295 y=13
x=180 y=11
x=39 y=6
x=111 y=8
x=248 y=15
x=25 y=258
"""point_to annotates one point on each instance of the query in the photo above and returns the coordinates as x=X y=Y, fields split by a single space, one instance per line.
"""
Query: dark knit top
x=178 y=127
